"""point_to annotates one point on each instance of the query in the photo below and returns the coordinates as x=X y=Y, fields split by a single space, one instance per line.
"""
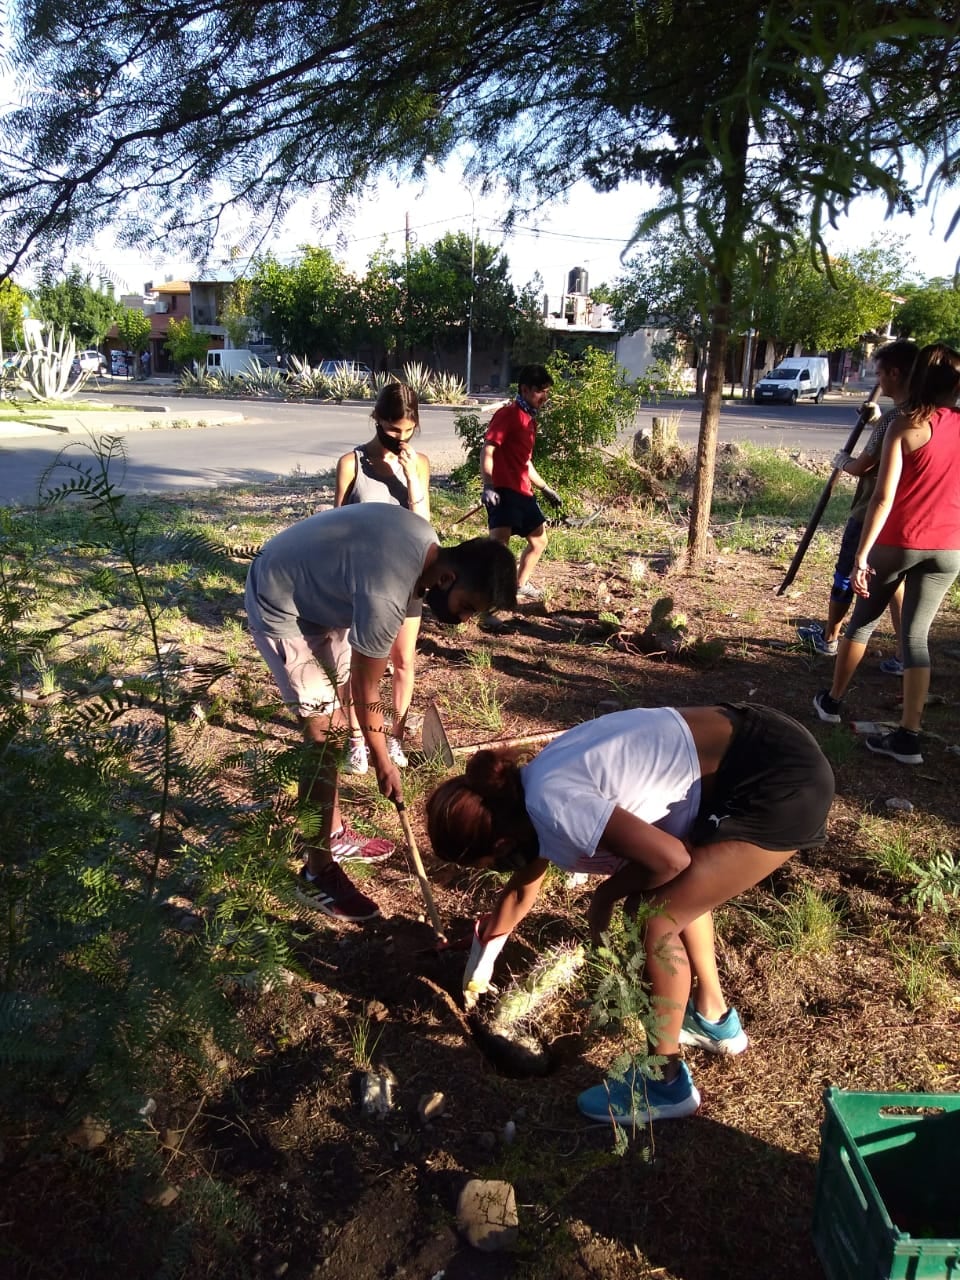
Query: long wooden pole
x=865 y=416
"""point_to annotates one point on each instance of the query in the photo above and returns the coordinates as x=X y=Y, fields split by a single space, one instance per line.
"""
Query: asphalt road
x=277 y=440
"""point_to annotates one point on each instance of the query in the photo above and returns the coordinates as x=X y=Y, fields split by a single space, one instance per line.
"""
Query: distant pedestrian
x=893 y=365
x=509 y=476
x=387 y=469
x=325 y=600
x=911 y=535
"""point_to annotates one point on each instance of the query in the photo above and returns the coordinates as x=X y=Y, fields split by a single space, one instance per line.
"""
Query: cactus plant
x=46 y=370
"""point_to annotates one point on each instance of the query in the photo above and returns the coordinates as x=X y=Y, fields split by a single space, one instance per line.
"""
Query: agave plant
x=449 y=389
x=260 y=379
x=304 y=380
x=345 y=385
x=199 y=381
x=419 y=379
x=46 y=369
x=380 y=380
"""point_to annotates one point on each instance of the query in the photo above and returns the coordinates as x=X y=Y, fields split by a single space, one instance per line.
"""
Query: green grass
x=891 y=847
x=805 y=922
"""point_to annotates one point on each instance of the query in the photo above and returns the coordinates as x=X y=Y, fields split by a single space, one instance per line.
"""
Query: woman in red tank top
x=911 y=534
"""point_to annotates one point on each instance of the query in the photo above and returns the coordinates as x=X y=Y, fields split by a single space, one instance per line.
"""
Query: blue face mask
x=438 y=598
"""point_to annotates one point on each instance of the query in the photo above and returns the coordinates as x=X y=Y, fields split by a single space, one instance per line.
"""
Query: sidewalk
x=33 y=423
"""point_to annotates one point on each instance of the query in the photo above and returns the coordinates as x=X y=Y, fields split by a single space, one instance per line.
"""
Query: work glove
x=552 y=497
x=872 y=410
x=840 y=460
x=490 y=497
x=479 y=971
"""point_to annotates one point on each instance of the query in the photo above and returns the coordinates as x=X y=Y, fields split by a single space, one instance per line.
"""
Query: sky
x=588 y=230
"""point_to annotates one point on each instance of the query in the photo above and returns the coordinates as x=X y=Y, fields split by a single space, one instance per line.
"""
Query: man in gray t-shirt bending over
x=325 y=600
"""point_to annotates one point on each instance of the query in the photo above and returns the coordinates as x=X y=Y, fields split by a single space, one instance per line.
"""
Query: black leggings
x=927 y=577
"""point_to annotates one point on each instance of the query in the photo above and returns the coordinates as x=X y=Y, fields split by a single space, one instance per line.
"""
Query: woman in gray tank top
x=386 y=469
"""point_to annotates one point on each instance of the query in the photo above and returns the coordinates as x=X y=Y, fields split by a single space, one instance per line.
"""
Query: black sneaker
x=827 y=708
x=900 y=744
x=335 y=894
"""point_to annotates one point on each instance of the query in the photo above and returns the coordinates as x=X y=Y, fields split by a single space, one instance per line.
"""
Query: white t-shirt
x=644 y=760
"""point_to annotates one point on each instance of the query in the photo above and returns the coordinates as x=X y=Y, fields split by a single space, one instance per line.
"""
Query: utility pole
x=473 y=268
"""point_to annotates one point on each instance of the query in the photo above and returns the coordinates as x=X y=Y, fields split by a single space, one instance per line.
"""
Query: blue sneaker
x=725 y=1036
x=647 y=1100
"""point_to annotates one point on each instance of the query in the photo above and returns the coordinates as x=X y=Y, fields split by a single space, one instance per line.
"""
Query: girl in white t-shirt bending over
x=679 y=808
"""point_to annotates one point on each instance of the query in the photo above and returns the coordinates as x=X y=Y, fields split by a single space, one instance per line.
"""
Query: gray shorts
x=308 y=670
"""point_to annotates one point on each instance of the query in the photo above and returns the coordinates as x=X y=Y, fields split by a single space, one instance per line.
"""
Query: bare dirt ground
x=863 y=994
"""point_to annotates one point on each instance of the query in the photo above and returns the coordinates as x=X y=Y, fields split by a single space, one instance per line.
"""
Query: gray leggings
x=927 y=575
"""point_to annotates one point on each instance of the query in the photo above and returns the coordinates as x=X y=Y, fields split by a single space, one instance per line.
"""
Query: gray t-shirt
x=353 y=569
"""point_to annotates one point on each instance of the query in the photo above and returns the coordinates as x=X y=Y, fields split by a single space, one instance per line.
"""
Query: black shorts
x=518 y=512
x=774 y=787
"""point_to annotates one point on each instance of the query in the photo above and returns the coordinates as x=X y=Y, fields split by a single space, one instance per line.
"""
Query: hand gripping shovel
x=865 y=417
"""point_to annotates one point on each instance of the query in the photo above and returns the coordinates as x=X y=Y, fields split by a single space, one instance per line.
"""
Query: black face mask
x=438 y=599
x=391 y=443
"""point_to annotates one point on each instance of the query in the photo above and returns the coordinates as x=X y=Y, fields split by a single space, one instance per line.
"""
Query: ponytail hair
x=482 y=813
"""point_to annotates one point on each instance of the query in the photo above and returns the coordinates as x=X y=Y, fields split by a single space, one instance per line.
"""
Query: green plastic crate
x=887 y=1204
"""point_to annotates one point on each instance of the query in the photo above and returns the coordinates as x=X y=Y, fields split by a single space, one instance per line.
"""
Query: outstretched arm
x=653 y=858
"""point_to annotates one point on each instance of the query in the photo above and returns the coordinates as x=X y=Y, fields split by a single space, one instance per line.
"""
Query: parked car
x=349 y=368
x=89 y=362
x=798 y=378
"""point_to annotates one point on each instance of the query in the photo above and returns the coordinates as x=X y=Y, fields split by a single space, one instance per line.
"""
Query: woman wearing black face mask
x=386 y=469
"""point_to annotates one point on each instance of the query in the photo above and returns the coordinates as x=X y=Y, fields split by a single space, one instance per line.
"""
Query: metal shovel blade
x=435 y=741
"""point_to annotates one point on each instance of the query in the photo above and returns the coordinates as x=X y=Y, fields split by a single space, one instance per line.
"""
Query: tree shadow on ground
x=684 y=1209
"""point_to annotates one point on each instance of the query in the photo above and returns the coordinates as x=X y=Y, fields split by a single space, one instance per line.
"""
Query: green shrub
x=590 y=403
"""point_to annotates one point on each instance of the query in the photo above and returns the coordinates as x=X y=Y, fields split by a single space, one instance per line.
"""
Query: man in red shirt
x=509 y=476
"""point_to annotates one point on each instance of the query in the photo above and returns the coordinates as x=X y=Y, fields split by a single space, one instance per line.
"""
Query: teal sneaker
x=646 y=1100
x=725 y=1036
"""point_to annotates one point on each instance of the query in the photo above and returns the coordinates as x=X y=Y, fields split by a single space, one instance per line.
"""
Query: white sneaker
x=395 y=752
x=357 y=759
x=529 y=592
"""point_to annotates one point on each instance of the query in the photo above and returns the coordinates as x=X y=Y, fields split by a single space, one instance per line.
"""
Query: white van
x=797 y=378
x=234 y=360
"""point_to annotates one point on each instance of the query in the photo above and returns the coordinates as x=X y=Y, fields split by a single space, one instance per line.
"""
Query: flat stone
x=900 y=804
x=430 y=1106
x=164 y=1197
x=487 y=1215
x=90 y=1133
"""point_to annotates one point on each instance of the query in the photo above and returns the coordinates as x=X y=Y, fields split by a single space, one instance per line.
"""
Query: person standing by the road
x=509 y=476
x=893 y=365
x=911 y=534
x=325 y=600
x=387 y=469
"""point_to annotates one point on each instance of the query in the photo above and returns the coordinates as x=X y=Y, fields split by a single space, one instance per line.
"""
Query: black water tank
x=577 y=281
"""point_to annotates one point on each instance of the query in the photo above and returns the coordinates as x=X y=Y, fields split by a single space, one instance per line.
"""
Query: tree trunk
x=709 y=427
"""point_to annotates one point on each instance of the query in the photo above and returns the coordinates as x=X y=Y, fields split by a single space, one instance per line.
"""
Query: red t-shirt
x=513 y=431
x=925 y=515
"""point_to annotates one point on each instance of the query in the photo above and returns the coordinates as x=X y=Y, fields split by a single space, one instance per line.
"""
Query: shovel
x=421 y=874
x=436 y=742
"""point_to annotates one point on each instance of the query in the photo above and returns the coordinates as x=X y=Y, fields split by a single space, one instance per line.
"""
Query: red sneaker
x=334 y=894
x=350 y=846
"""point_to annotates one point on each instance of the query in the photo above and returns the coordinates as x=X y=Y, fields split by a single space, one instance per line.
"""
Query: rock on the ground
x=431 y=1106
x=90 y=1133
x=899 y=803
x=487 y=1215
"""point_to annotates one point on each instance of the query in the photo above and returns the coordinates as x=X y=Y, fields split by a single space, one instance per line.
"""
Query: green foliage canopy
x=134 y=329
x=75 y=304
x=185 y=344
x=931 y=313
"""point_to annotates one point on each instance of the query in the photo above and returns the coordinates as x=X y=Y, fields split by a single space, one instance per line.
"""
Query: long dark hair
x=482 y=813
x=395 y=402
x=934 y=382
